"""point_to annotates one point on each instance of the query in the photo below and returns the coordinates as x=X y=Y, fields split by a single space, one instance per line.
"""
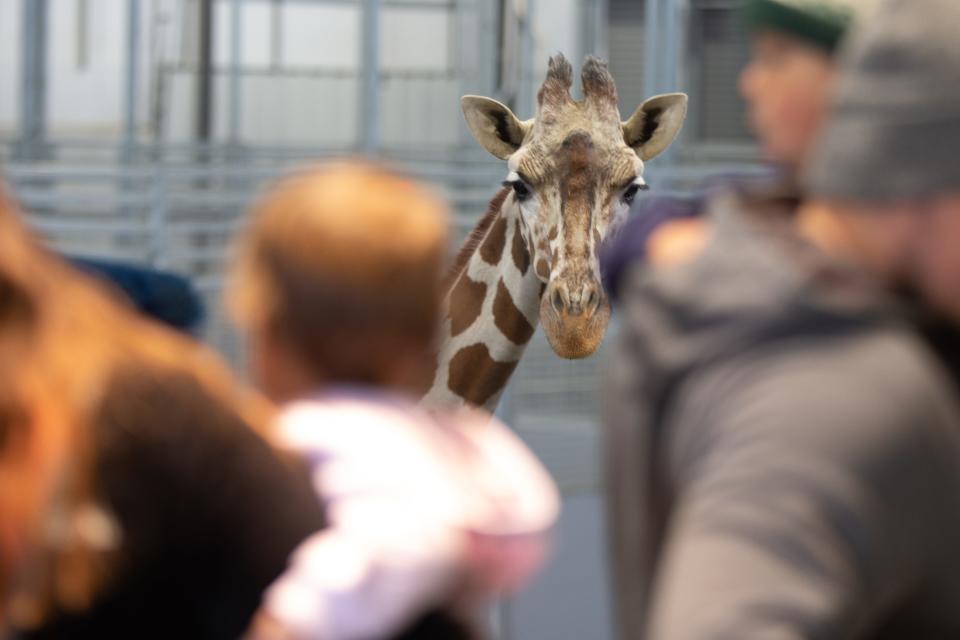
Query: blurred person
x=136 y=500
x=786 y=85
x=900 y=106
x=784 y=445
x=162 y=295
x=40 y=454
x=789 y=78
x=338 y=287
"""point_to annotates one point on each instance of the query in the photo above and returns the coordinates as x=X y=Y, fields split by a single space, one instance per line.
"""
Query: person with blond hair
x=137 y=498
x=337 y=286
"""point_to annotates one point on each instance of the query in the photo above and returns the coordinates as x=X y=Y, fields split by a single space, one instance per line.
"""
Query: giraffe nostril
x=557 y=301
x=593 y=300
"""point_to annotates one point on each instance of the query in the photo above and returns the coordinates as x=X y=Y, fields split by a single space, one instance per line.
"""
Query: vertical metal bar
x=601 y=27
x=593 y=30
x=465 y=54
x=487 y=55
x=501 y=43
x=525 y=100
x=369 y=134
x=276 y=34
x=671 y=48
x=587 y=16
x=695 y=74
x=651 y=63
x=33 y=80
x=236 y=67
x=202 y=123
x=673 y=43
x=156 y=63
x=157 y=218
x=83 y=33
x=132 y=78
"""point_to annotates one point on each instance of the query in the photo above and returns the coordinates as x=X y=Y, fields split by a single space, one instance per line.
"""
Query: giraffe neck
x=492 y=309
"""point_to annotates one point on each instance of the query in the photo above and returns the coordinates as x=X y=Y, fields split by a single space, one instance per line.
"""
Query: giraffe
x=572 y=173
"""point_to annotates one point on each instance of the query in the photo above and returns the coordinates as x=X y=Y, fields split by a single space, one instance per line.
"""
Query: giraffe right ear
x=655 y=124
x=494 y=126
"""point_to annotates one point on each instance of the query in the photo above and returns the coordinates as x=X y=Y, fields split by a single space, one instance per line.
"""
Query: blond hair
x=343 y=263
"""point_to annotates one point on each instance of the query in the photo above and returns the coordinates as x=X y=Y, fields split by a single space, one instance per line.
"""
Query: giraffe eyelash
x=520 y=189
x=632 y=190
x=517 y=182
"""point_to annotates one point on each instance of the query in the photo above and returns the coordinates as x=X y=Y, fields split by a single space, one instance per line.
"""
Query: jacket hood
x=754 y=282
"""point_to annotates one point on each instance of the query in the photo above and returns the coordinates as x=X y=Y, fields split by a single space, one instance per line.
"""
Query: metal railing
x=181 y=215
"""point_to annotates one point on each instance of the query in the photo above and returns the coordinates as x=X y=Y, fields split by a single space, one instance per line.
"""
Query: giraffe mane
x=474 y=239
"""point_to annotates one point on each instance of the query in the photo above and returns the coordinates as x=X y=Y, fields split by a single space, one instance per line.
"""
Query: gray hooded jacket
x=783 y=453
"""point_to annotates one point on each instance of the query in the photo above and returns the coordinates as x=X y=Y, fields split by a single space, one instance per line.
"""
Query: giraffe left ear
x=655 y=124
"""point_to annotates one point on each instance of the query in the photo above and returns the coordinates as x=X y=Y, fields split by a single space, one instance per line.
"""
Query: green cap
x=821 y=23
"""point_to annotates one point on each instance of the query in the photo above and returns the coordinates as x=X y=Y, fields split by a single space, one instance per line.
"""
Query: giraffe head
x=573 y=171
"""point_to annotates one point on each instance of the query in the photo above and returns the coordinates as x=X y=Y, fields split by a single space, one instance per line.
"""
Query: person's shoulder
x=880 y=385
x=871 y=414
x=169 y=415
x=887 y=368
x=153 y=396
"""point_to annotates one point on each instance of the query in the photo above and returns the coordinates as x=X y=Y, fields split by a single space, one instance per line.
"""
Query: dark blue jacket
x=164 y=296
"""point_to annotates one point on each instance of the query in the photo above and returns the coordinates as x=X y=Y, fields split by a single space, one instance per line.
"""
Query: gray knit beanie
x=894 y=128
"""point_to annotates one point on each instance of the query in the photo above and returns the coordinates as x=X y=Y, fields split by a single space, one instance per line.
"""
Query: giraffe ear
x=655 y=124
x=494 y=126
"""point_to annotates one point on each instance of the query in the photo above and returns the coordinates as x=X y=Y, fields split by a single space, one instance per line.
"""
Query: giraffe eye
x=631 y=193
x=520 y=190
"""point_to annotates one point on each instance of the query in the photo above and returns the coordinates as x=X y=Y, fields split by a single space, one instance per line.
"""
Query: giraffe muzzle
x=574 y=324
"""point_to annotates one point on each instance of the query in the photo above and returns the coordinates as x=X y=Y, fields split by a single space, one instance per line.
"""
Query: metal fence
x=183 y=216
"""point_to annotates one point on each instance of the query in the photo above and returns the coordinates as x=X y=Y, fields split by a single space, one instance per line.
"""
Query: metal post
x=158 y=20
x=157 y=218
x=33 y=81
x=671 y=45
x=276 y=34
x=204 y=72
x=593 y=19
x=585 y=36
x=132 y=79
x=369 y=134
x=651 y=63
x=525 y=99
x=464 y=55
x=671 y=51
x=83 y=34
x=601 y=28
x=236 y=67
x=488 y=56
